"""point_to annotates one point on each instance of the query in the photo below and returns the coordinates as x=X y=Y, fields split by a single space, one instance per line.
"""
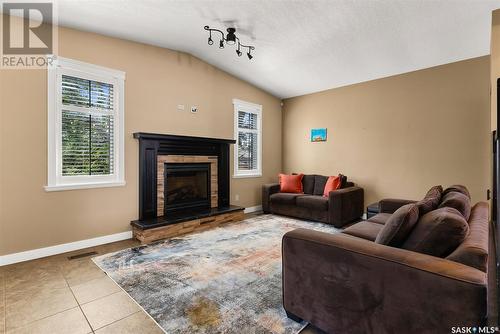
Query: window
x=248 y=135
x=85 y=126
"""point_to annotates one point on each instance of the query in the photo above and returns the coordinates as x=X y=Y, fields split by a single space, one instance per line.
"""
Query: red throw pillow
x=333 y=183
x=291 y=183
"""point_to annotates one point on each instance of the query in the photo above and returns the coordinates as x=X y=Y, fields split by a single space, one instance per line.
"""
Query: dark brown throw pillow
x=458 y=188
x=438 y=233
x=459 y=201
x=398 y=226
x=431 y=200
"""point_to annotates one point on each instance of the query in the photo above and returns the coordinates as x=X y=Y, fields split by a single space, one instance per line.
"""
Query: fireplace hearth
x=183 y=181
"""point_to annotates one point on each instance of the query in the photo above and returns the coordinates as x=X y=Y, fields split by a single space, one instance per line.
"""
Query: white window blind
x=248 y=136
x=85 y=126
x=87 y=131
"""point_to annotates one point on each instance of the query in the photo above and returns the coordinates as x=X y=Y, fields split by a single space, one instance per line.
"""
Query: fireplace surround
x=182 y=179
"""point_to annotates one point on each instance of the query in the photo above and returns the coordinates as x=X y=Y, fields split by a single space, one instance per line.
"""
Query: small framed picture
x=318 y=134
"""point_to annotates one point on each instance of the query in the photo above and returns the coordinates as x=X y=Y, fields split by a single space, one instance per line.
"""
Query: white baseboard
x=63 y=248
x=364 y=216
x=253 y=209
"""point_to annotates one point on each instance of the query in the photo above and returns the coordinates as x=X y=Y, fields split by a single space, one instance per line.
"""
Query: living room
x=249 y=167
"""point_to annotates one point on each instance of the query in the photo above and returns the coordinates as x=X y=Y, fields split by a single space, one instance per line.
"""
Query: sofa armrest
x=390 y=205
x=344 y=284
x=268 y=190
x=345 y=205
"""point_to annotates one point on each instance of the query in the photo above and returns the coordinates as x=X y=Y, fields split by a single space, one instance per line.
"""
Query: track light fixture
x=231 y=39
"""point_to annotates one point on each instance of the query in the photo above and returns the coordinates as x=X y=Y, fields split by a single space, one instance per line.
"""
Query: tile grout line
x=79 y=306
x=97 y=329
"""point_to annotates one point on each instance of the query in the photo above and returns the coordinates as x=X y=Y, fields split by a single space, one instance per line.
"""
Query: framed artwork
x=318 y=134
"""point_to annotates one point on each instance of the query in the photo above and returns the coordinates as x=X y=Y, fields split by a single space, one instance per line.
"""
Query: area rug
x=224 y=280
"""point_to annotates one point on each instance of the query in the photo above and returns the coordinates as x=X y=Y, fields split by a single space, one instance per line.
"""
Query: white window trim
x=55 y=180
x=240 y=105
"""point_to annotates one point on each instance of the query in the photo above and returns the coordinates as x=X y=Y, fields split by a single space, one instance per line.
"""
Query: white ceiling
x=301 y=46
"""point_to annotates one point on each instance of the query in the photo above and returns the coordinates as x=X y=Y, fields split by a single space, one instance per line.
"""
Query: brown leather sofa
x=349 y=283
x=342 y=206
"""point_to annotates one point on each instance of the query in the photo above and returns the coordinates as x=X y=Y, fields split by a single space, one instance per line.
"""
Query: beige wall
x=398 y=136
x=157 y=80
x=495 y=64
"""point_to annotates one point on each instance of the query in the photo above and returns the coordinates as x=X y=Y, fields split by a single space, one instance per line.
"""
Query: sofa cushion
x=438 y=232
x=284 y=198
x=380 y=218
x=308 y=184
x=431 y=200
x=291 y=183
x=313 y=202
x=458 y=188
x=343 y=181
x=365 y=230
x=319 y=184
x=398 y=226
x=473 y=251
x=457 y=200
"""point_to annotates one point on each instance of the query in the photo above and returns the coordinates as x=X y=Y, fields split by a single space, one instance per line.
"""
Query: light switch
x=180 y=107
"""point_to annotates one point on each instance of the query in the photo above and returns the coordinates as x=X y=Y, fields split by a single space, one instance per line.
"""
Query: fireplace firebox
x=187 y=186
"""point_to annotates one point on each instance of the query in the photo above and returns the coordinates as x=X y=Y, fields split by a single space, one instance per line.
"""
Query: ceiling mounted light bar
x=230 y=39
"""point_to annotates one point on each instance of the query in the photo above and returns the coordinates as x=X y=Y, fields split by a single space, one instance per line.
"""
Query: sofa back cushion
x=398 y=226
x=458 y=188
x=308 y=184
x=458 y=201
x=343 y=181
x=473 y=251
x=438 y=232
x=431 y=200
x=291 y=183
x=319 y=184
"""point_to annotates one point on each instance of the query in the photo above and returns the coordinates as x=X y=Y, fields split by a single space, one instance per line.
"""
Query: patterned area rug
x=224 y=280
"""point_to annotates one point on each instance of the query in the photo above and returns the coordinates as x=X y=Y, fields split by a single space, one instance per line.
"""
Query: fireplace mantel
x=152 y=145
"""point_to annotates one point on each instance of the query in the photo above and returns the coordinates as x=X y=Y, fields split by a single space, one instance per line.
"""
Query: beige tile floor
x=57 y=295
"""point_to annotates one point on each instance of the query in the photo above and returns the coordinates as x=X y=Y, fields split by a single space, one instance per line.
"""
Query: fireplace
x=186 y=186
x=183 y=185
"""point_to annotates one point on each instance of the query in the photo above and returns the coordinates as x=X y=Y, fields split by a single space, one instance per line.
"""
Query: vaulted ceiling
x=301 y=46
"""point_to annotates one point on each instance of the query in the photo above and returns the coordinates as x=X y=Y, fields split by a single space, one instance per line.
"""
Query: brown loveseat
x=349 y=283
x=342 y=206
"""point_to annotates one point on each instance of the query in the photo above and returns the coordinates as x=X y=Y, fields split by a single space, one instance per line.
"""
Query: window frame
x=63 y=66
x=240 y=105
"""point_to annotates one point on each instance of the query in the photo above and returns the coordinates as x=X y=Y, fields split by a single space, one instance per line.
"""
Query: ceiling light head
x=210 y=41
x=249 y=55
x=239 y=53
x=221 y=44
x=231 y=37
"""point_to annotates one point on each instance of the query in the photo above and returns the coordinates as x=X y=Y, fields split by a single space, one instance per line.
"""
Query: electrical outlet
x=194 y=109
x=180 y=107
x=237 y=197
